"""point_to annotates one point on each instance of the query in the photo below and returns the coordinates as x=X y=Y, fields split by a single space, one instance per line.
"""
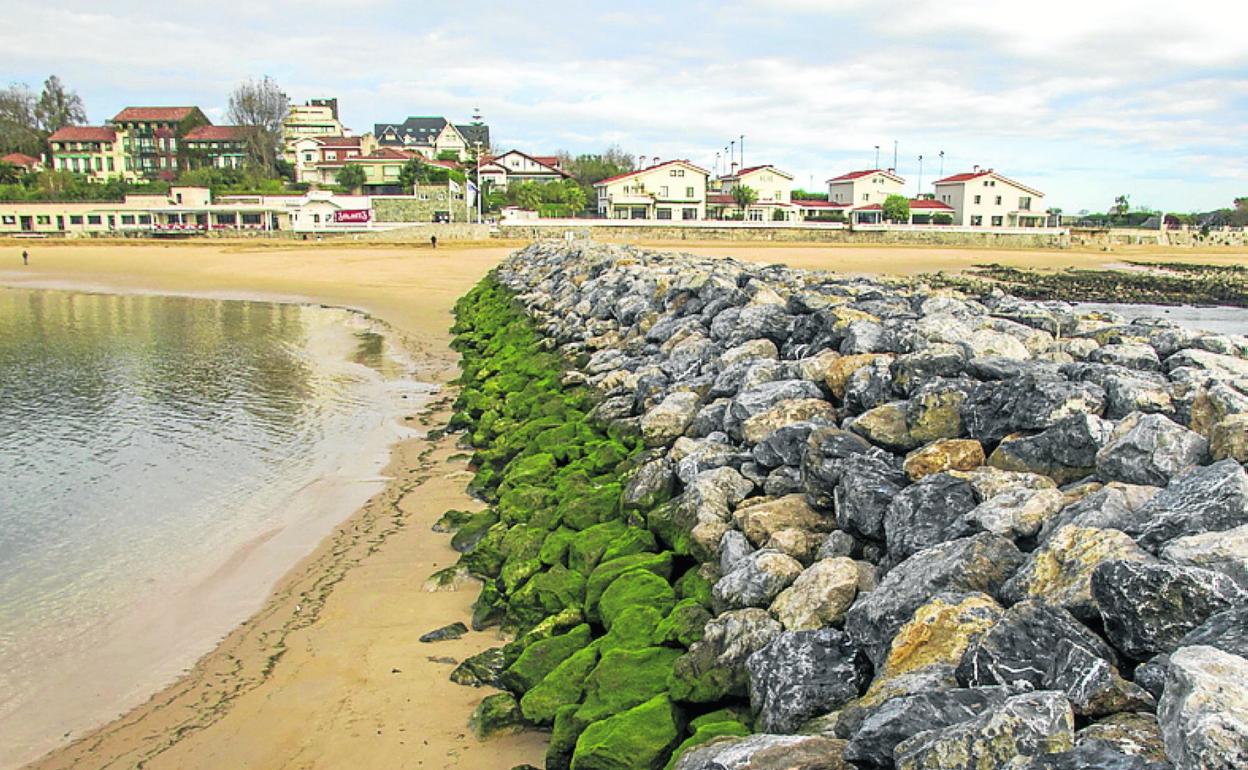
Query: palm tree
x=744 y=197
x=351 y=177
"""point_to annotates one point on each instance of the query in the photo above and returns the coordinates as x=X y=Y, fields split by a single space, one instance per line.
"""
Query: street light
x=920 y=176
x=478 y=146
x=877 y=157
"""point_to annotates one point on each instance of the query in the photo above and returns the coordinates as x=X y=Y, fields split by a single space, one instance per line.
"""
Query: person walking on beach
x=433 y=241
x=25 y=257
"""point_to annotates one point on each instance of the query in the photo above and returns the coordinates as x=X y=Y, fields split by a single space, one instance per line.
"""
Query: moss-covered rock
x=705 y=732
x=585 y=501
x=563 y=736
x=555 y=625
x=638 y=739
x=546 y=594
x=624 y=679
x=606 y=573
x=472 y=530
x=683 y=625
x=498 y=713
x=555 y=547
x=634 y=539
x=561 y=687
x=530 y=469
x=695 y=585
x=588 y=546
x=636 y=628
x=540 y=658
x=480 y=670
x=489 y=609
x=636 y=588
x=451 y=521
x=486 y=558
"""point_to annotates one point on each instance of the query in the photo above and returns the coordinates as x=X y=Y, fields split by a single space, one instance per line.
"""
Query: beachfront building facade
x=182 y=211
x=862 y=188
x=773 y=190
x=318 y=158
x=215 y=147
x=984 y=198
x=673 y=190
x=315 y=117
x=515 y=166
x=434 y=137
x=153 y=135
x=96 y=152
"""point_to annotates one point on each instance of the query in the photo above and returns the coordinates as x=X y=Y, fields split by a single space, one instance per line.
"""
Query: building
x=381 y=169
x=183 y=211
x=315 y=117
x=215 y=147
x=152 y=137
x=318 y=158
x=674 y=190
x=23 y=162
x=984 y=198
x=434 y=136
x=516 y=166
x=96 y=152
x=859 y=188
x=773 y=188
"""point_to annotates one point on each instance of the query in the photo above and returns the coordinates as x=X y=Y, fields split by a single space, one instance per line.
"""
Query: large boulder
x=755 y=581
x=801 y=674
x=640 y=737
x=762 y=520
x=1148 y=607
x=714 y=667
x=1225 y=552
x=1207 y=499
x=901 y=718
x=826 y=451
x=1030 y=402
x=981 y=563
x=1203 y=712
x=1149 y=449
x=1065 y=452
x=1225 y=631
x=668 y=420
x=1023 y=726
x=869 y=482
x=929 y=512
x=785 y=413
x=944 y=455
x=1017 y=513
x=1089 y=755
x=938 y=634
x=767 y=752
x=820 y=596
x=758 y=400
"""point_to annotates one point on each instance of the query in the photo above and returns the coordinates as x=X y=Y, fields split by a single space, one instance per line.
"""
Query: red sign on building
x=353 y=216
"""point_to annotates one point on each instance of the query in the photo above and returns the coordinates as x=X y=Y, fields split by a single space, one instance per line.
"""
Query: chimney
x=641 y=161
x=733 y=172
x=654 y=161
x=975 y=168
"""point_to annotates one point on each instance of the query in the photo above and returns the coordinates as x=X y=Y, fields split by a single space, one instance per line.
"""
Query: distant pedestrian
x=433 y=241
x=25 y=257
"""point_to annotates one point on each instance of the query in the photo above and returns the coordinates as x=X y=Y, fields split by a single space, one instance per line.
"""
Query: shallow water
x=1219 y=320
x=145 y=442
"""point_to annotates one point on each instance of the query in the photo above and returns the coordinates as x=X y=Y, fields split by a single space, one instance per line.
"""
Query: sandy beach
x=330 y=673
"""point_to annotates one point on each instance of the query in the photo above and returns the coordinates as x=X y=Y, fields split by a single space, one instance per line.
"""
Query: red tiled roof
x=752 y=169
x=720 y=199
x=20 y=159
x=442 y=163
x=819 y=204
x=173 y=114
x=871 y=207
x=928 y=203
x=84 y=134
x=214 y=134
x=853 y=175
x=338 y=141
x=966 y=177
x=547 y=160
x=618 y=177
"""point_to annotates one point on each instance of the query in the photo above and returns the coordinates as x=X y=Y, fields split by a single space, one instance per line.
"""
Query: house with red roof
x=863 y=188
x=21 y=160
x=673 y=190
x=96 y=152
x=984 y=198
x=516 y=166
x=153 y=136
x=211 y=146
x=772 y=187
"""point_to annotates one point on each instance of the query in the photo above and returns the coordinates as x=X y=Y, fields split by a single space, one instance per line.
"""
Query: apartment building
x=434 y=136
x=96 y=152
x=215 y=147
x=672 y=190
x=183 y=210
x=984 y=198
x=318 y=158
x=516 y=166
x=861 y=188
x=153 y=135
x=315 y=117
x=773 y=188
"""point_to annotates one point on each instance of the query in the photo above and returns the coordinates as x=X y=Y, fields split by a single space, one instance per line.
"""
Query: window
x=307 y=156
x=977 y=221
x=996 y=221
x=227 y=219
x=678 y=172
x=688 y=213
x=663 y=194
x=663 y=214
x=998 y=200
x=756 y=215
x=127 y=219
x=43 y=219
x=93 y=219
x=866 y=197
x=110 y=164
x=978 y=198
x=145 y=219
x=316 y=219
x=9 y=219
x=75 y=219
x=1024 y=203
x=251 y=219
x=688 y=192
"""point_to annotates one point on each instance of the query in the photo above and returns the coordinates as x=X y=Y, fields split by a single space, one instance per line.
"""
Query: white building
x=773 y=188
x=516 y=166
x=862 y=188
x=674 y=190
x=984 y=198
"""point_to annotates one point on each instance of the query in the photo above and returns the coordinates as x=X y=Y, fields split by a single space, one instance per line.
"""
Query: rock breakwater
x=754 y=517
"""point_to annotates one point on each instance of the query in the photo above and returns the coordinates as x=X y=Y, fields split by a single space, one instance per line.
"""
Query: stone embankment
x=824 y=522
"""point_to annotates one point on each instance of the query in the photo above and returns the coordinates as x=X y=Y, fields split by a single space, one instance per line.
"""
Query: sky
x=1083 y=100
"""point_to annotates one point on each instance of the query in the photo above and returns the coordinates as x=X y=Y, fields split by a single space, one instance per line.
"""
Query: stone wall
x=1043 y=239
x=420 y=207
x=422 y=233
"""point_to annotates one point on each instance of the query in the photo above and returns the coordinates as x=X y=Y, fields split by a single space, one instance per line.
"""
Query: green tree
x=1122 y=206
x=526 y=195
x=19 y=130
x=896 y=208
x=451 y=155
x=58 y=107
x=554 y=192
x=574 y=195
x=9 y=173
x=744 y=196
x=351 y=177
x=260 y=108
x=412 y=173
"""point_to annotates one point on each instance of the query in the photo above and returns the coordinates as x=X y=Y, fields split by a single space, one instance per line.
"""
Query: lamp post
x=894 y=156
x=942 y=164
x=920 y=176
x=877 y=156
x=743 y=151
x=478 y=145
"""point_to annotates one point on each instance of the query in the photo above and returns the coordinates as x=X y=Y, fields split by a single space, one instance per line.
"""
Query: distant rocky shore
x=757 y=518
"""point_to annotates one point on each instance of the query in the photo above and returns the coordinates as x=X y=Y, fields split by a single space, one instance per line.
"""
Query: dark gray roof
x=475 y=132
x=414 y=130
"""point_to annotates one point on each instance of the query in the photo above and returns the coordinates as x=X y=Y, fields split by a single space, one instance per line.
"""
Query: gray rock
x=445 y=633
x=801 y=674
x=755 y=581
x=1151 y=675
x=1092 y=684
x=1226 y=630
x=786 y=445
x=901 y=718
x=652 y=483
x=1016 y=513
x=758 y=400
x=939 y=360
x=714 y=667
x=767 y=321
x=1149 y=449
x=1065 y=452
x=733 y=547
x=869 y=387
x=667 y=421
x=1225 y=552
x=767 y=752
x=996 y=409
x=1203 y=712
x=1149 y=607
x=1212 y=498
x=1026 y=725
x=1133 y=734
x=979 y=563
x=709 y=419
x=929 y=512
x=1090 y=755
x=837 y=543
x=1127 y=392
x=869 y=483
x=785 y=480
x=1132 y=356
x=863 y=337
x=826 y=450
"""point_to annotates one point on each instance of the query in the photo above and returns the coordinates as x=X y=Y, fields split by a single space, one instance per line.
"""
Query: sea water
x=163 y=461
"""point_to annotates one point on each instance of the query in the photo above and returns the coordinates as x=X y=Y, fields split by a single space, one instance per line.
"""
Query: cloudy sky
x=1083 y=100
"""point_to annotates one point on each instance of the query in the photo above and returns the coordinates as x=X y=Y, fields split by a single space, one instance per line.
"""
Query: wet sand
x=330 y=673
